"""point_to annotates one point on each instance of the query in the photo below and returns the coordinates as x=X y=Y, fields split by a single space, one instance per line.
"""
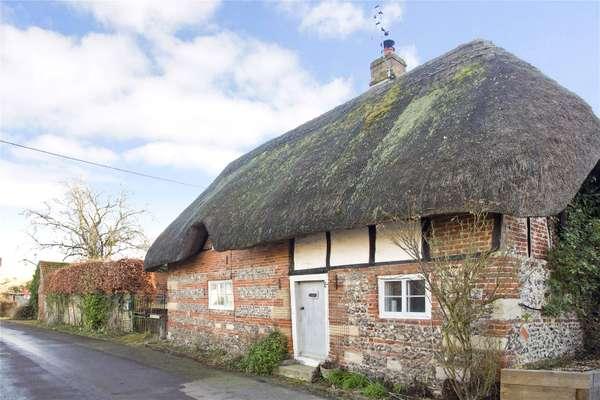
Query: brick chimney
x=389 y=66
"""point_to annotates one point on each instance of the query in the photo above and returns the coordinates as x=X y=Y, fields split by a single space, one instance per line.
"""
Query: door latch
x=302 y=308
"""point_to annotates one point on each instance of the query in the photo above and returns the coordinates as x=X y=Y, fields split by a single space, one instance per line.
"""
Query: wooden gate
x=150 y=314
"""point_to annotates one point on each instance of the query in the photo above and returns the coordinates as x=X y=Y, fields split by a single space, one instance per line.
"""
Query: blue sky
x=179 y=92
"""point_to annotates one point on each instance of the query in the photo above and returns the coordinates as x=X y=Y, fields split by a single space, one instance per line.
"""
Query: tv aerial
x=379 y=22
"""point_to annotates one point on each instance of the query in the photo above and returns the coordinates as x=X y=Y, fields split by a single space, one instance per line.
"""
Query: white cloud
x=220 y=91
x=335 y=19
x=339 y=19
x=47 y=78
x=410 y=55
x=26 y=186
x=22 y=186
x=68 y=147
x=183 y=156
x=145 y=16
x=392 y=12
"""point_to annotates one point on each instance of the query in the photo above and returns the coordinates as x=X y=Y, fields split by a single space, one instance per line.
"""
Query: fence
x=150 y=314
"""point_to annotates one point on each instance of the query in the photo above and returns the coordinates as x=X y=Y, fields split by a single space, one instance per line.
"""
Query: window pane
x=221 y=294
x=416 y=288
x=416 y=304
x=393 y=304
x=393 y=288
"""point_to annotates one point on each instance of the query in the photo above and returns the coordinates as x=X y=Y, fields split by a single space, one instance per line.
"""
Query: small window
x=404 y=296
x=220 y=295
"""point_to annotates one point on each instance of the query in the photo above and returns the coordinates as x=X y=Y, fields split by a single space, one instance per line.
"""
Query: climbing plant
x=574 y=283
x=95 y=308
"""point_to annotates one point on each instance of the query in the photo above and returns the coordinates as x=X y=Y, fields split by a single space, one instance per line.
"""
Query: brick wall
x=403 y=349
x=359 y=339
x=529 y=335
x=515 y=236
x=455 y=235
x=261 y=297
x=396 y=349
x=540 y=240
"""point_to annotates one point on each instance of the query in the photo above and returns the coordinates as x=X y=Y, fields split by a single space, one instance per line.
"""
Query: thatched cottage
x=289 y=236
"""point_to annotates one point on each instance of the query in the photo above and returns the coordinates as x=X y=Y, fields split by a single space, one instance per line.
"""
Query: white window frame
x=211 y=293
x=404 y=314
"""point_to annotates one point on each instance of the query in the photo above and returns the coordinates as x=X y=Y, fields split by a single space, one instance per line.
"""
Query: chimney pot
x=389 y=66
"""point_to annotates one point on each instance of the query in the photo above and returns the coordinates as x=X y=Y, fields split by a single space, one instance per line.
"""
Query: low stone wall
x=120 y=317
x=519 y=384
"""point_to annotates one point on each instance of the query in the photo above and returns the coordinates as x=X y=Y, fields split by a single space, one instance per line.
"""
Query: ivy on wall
x=95 y=309
x=575 y=262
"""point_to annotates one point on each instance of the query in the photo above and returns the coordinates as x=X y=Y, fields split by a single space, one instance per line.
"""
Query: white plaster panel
x=507 y=309
x=310 y=251
x=350 y=246
x=394 y=364
x=385 y=248
x=353 y=357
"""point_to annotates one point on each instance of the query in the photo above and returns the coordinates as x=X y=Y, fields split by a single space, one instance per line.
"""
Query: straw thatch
x=474 y=125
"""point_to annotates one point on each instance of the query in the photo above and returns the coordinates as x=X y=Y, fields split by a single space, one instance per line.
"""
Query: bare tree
x=465 y=286
x=87 y=224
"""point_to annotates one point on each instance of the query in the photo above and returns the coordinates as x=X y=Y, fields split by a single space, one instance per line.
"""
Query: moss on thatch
x=474 y=125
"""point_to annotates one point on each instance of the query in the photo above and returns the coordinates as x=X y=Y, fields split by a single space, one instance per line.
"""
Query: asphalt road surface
x=40 y=364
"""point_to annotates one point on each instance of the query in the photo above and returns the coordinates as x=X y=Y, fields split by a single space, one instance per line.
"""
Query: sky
x=180 y=89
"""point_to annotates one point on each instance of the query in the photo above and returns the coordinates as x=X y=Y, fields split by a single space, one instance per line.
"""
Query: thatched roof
x=476 y=124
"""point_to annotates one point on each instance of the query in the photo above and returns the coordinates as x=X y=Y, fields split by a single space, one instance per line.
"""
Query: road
x=40 y=364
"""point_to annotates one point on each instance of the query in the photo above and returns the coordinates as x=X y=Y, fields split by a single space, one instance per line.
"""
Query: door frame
x=294 y=280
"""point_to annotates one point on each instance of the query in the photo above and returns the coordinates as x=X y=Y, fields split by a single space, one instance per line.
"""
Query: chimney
x=389 y=66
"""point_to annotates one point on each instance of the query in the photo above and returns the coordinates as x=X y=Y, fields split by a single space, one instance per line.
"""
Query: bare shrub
x=465 y=285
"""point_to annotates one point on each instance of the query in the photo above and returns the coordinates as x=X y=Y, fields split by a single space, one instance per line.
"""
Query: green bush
x=95 y=307
x=266 y=354
x=33 y=287
x=24 y=312
x=336 y=377
x=400 y=388
x=348 y=380
x=353 y=380
x=375 y=390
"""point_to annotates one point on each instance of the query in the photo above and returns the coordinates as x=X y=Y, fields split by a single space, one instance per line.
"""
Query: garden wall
x=69 y=309
x=96 y=294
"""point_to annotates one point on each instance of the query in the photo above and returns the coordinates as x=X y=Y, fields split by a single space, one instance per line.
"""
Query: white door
x=312 y=334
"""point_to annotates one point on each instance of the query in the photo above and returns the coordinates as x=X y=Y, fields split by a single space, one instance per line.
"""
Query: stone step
x=297 y=371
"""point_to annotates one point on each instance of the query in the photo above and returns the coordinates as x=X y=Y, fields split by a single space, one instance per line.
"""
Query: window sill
x=404 y=316
x=213 y=308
